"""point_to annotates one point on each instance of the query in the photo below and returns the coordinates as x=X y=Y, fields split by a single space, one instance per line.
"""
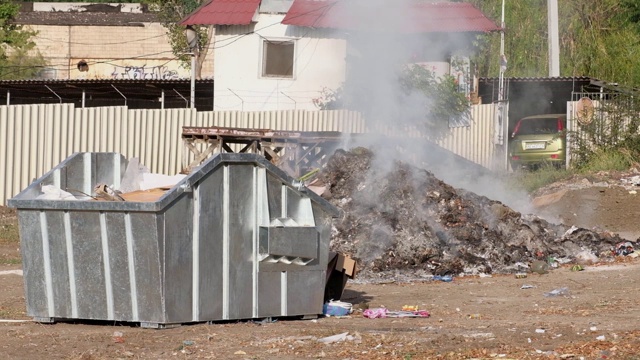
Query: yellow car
x=538 y=140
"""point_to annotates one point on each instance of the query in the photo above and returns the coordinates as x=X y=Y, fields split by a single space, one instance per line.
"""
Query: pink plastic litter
x=375 y=313
x=385 y=313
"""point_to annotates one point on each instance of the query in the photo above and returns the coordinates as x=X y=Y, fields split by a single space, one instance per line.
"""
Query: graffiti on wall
x=144 y=72
x=147 y=69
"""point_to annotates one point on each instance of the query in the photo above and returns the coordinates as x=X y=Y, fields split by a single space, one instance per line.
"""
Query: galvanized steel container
x=236 y=239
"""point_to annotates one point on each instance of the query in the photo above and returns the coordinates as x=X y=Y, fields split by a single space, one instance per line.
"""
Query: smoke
x=381 y=44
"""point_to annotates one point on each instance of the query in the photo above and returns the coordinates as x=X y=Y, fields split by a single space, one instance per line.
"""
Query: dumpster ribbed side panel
x=33 y=265
x=178 y=260
x=62 y=265
x=146 y=249
x=240 y=247
x=209 y=250
x=114 y=248
x=88 y=269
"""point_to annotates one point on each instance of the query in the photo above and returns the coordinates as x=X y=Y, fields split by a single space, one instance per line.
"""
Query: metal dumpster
x=236 y=239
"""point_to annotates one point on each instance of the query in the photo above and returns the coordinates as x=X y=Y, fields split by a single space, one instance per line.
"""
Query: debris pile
x=403 y=222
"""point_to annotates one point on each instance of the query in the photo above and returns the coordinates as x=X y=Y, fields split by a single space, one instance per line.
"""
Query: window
x=277 y=58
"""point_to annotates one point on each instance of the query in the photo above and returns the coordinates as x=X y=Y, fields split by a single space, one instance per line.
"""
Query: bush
x=607 y=160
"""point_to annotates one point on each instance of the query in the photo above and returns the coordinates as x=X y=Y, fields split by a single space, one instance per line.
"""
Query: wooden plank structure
x=295 y=152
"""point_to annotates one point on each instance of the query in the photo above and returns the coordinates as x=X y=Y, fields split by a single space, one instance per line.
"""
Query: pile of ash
x=403 y=222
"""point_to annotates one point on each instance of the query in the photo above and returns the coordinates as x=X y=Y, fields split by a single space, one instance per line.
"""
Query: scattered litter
x=375 y=313
x=527 y=286
x=577 y=268
x=479 y=335
x=624 y=248
x=266 y=320
x=188 y=342
x=445 y=278
x=474 y=316
x=521 y=275
x=634 y=180
x=13 y=321
x=540 y=267
x=239 y=352
x=633 y=192
x=105 y=192
x=410 y=308
x=593 y=328
x=483 y=275
x=385 y=313
x=117 y=337
x=336 y=338
x=11 y=272
x=571 y=230
x=336 y=308
x=563 y=291
x=154 y=181
x=132 y=176
x=137 y=179
x=586 y=257
x=540 y=331
x=51 y=192
x=601 y=338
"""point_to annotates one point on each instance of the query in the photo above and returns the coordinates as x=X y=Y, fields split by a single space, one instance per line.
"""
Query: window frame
x=264 y=42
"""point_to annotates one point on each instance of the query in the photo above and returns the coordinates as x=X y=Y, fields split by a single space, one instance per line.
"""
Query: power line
x=101 y=44
x=106 y=61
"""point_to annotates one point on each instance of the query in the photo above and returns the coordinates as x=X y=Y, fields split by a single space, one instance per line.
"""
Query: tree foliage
x=92 y=1
x=598 y=38
x=18 y=57
x=170 y=12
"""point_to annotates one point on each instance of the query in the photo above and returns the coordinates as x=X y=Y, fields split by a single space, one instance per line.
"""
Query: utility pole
x=500 y=108
x=192 y=41
x=554 y=42
x=501 y=124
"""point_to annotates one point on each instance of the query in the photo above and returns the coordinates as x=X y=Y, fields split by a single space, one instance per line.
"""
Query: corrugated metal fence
x=35 y=138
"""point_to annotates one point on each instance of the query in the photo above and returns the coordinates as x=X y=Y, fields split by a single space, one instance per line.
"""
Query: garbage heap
x=402 y=222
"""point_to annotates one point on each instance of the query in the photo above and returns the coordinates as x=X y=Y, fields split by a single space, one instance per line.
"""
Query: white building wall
x=319 y=63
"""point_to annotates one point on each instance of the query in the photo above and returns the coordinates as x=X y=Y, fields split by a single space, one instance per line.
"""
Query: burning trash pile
x=403 y=222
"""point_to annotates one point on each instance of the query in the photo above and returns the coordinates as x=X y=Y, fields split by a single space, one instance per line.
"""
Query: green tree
x=170 y=12
x=19 y=58
x=598 y=38
x=93 y=1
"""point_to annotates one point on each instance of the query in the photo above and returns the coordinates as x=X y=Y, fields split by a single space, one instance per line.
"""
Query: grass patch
x=608 y=160
x=618 y=159
x=9 y=234
x=533 y=180
x=10 y=261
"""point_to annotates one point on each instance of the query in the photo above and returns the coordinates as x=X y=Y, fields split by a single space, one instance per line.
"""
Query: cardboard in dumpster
x=346 y=264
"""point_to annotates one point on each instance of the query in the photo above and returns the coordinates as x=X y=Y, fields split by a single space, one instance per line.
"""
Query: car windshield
x=537 y=126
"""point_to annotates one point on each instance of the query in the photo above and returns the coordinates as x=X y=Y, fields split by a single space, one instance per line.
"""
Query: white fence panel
x=474 y=142
x=35 y=138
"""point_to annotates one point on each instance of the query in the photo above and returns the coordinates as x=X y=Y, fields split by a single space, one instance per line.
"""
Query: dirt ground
x=471 y=317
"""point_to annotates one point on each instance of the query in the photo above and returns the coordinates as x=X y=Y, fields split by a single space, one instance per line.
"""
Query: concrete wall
x=112 y=52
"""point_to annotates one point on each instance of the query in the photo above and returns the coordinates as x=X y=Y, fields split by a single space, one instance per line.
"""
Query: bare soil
x=474 y=316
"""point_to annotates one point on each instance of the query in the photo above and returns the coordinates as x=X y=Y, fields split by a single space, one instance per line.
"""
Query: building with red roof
x=282 y=54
